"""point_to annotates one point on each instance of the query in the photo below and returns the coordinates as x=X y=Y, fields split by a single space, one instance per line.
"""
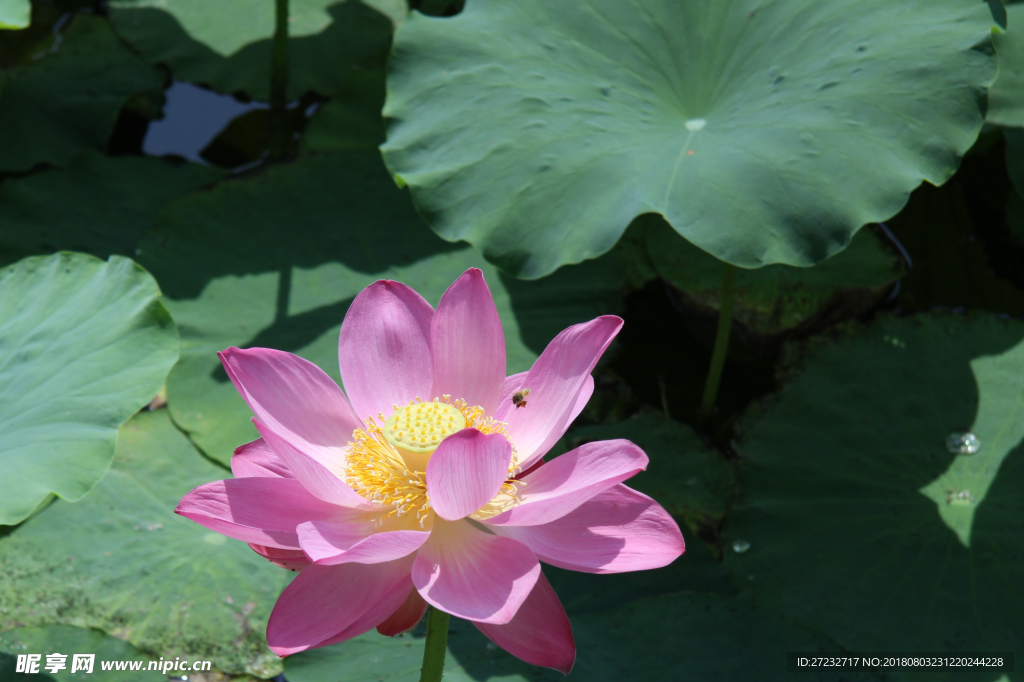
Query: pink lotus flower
x=387 y=502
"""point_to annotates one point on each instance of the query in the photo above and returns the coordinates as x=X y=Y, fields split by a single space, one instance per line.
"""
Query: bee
x=519 y=398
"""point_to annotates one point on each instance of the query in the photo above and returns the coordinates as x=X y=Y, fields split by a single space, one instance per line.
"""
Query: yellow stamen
x=377 y=472
x=388 y=465
x=507 y=498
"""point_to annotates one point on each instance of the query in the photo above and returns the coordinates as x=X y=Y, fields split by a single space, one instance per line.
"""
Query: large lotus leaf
x=696 y=637
x=1006 y=99
x=83 y=345
x=122 y=561
x=351 y=119
x=15 y=14
x=687 y=477
x=70 y=99
x=67 y=640
x=862 y=522
x=763 y=132
x=227 y=46
x=776 y=298
x=98 y=204
x=676 y=637
x=274 y=260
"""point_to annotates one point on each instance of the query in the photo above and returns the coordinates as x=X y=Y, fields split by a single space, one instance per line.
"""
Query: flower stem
x=435 y=646
x=277 y=128
x=726 y=297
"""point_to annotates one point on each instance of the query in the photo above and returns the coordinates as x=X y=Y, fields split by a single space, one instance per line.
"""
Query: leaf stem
x=277 y=128
x=435 y=646
x=726 y=297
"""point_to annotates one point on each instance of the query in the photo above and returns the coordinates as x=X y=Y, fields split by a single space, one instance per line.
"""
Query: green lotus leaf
x=227 y=46
x=83 y=345
x=121 y=560
x=69 y=100
x=15 y=14
x=275 y=259
x=68 y=640
x=99 y=204
x=685 y=636
x=1006 y=99
x=689 y=479
x=350 y=120
x=863 y=522
x=763 y=132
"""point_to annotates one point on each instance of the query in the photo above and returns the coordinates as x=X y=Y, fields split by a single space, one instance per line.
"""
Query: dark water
x=193 y=117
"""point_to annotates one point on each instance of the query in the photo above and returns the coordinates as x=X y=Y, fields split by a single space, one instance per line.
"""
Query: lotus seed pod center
x=420 y=427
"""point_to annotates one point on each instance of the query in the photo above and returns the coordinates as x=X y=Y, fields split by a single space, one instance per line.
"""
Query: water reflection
x=193 y=117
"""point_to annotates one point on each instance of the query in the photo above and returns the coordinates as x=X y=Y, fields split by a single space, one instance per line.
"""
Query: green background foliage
x=1006 y=100
x=275 y=261
x=775 y=299
x=227 y=45
x=821 y=510
x=14 y=14
x=142 y=573
x=908 y=546
x=69 y=101
x=65 y=639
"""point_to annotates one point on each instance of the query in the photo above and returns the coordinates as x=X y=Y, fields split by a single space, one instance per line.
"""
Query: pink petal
x=616 y=531
x=329 y=544
x=468 y=344
x=472 y=574
x=406 y=617
x=582 y=398
x=566 y=482
x=264 y=511
x=556 y=382
x=540 y=633
x=323 y=601
x=295 y=398
x=515 y=382
x=257 y=460
x=384 y=349
x=377 y=613
x=292 y=559
x=466 y=471
x=317 y=478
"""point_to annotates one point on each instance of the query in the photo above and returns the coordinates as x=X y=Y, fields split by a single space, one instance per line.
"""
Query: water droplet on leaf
x=963 y=443
x=961 y=497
